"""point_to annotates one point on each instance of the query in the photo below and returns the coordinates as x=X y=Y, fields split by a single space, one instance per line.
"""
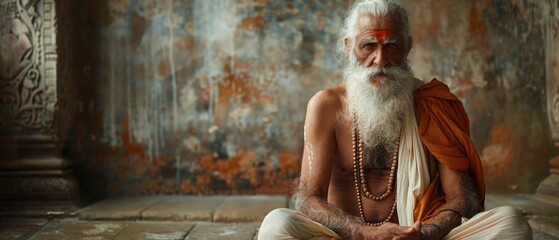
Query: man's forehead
x=381 y=34
x=378 y=26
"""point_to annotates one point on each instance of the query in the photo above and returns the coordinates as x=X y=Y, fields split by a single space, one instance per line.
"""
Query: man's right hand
x=391 y=231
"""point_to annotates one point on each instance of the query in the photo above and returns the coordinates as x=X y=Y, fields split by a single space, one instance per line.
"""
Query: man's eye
x=392 y=45
x=369 y=46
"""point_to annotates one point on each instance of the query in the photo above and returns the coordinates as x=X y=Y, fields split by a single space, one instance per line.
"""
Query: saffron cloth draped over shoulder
x=444 y=129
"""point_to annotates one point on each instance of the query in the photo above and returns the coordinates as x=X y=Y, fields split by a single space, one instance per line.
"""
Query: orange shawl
x=444 y=129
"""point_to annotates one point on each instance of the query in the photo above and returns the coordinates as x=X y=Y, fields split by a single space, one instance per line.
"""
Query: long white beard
x=379 y=109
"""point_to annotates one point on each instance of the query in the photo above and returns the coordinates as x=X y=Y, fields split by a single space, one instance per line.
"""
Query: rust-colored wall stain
x=209 y=96
x=234 y=89
x=498 y=156
x=164 y=68
x=106 y=12
x=131 y=166
x=477 y=26
x=128 y=146
x=257 y=21
x=321 y=21
x=139 y=27
x=185 y=43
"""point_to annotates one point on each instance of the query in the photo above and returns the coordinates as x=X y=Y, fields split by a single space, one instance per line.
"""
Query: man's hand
x=392 y=231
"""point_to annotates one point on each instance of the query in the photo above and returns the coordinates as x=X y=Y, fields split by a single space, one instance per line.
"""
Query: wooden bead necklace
x=361 y=185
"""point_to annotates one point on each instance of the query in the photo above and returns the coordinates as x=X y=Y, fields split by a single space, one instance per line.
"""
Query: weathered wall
x=209 y=96
x=492 y=55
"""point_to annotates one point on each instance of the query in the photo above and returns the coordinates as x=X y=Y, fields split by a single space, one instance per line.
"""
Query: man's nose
x=380 y=59
x=377 y=58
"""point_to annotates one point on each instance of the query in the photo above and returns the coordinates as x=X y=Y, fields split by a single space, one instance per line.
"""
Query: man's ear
x=347 y=47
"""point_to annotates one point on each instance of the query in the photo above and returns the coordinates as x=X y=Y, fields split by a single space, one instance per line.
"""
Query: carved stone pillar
x=33 y=180
x=550 y=185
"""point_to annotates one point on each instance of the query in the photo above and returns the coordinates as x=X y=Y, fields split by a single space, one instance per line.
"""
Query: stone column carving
x=32 y=179
x=550 y=185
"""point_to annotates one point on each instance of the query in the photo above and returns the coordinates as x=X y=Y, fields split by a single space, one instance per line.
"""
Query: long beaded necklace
x=361 y=185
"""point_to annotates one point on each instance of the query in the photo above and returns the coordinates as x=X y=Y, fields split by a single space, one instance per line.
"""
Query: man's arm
x=316 y=166
x=461 y=201
x=318 y=155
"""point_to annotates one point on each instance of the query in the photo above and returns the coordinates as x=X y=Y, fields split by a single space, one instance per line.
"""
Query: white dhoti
x=498 y=223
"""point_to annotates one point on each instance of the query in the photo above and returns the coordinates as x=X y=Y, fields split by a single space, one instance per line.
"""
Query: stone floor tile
x=183 y=208
x=549 y=226
x=218 y=231
x=545 y=198
x=17 y=210
x=491 y=201
x=155 y=230
x=248 y=208
x=71 y=229
x=539 y=235
x=525 y=203
x=128 y=208
x=20 y=228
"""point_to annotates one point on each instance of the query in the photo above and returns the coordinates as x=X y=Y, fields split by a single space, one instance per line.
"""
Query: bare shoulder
x=329 y=100
x=323 y=109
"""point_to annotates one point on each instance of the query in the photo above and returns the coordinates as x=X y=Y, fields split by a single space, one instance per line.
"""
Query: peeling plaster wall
x=492 y=56
x=209 y=96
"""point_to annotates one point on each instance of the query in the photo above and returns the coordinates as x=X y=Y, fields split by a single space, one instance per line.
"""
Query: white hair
x=380 y=8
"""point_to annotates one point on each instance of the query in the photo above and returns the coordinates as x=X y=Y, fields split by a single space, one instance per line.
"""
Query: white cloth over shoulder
x=413 y=172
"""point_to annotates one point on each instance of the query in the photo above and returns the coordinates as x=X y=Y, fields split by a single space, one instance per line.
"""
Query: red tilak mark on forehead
x=381 y=34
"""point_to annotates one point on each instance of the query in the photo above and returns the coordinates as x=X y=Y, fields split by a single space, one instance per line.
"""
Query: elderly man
x=387 y=156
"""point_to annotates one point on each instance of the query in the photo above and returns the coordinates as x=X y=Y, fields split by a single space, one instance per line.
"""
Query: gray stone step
x=70 y=229
x=539 y=235
x=20 y=228
x=128 y=208
x=526 y=203
x=215 y=231
x=248 y=209
x=542 y=211
x=185 y=208
x=548 y=226
x=155 y=230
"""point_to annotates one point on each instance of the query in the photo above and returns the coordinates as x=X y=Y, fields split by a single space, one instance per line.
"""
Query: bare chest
x=376 y=173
